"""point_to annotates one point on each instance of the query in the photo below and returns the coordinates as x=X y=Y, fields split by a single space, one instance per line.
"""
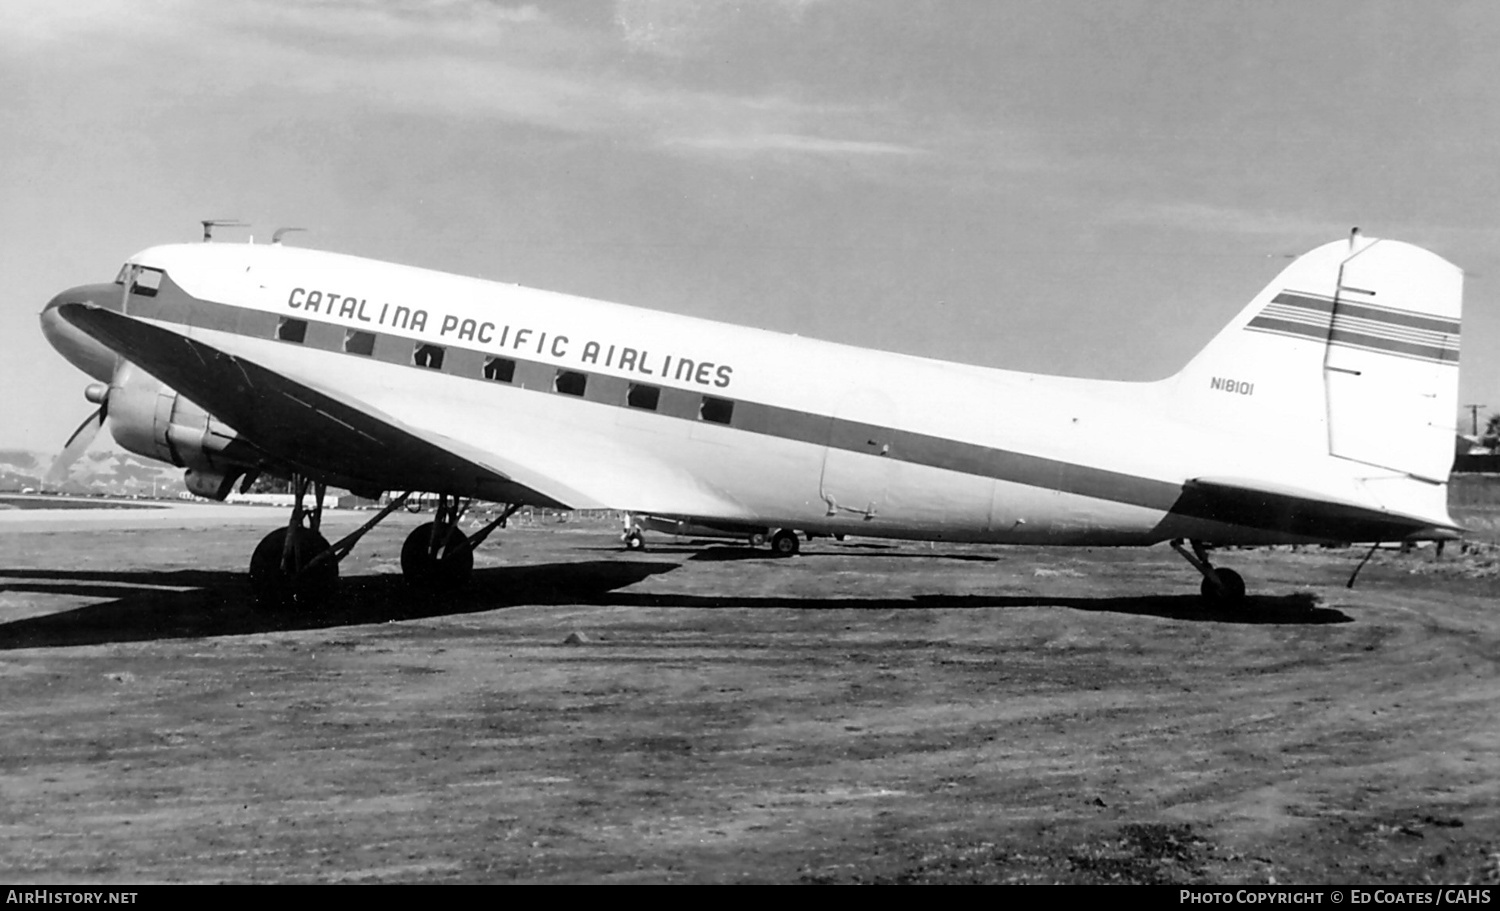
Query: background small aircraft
x=783 y=541
x=1323 y=412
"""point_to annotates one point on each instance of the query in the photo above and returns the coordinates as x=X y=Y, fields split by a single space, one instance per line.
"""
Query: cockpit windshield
x=141 y=279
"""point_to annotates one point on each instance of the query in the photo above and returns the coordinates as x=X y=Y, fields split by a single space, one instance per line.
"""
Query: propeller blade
x=77 y=444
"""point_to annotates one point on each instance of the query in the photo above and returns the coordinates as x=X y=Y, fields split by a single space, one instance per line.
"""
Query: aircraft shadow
x=187 y=604
x=1296 y=609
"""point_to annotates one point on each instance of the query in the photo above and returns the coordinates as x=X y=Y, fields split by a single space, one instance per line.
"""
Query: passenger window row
x=503 y=370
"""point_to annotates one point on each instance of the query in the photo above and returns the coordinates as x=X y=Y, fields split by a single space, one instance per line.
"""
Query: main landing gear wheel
x=634 y=540
x=1229 y=592
x=785 y=544
x=437 y=556
x=277 y=580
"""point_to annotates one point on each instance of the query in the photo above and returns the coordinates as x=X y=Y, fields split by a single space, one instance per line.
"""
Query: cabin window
x=500 y=369
x=716 y=411
x=570 y=382
x=291 y=330
x=429 y=356
x=356 y=342
x=643 y=396
x=146 y=282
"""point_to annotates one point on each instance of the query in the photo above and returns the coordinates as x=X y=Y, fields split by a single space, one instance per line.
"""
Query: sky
x=1085 y=188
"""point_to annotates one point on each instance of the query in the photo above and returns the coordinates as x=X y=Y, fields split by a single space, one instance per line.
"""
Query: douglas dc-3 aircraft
x=1324 y=412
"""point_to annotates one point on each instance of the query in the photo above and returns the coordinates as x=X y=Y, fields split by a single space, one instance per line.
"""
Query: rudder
x=1352 y=352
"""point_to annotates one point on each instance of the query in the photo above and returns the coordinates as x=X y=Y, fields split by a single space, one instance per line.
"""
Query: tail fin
x=1351 y=352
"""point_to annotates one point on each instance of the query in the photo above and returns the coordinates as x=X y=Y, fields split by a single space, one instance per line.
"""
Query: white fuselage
x=820 y=437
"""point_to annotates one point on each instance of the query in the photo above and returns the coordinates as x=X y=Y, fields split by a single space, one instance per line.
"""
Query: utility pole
x=1474 y=416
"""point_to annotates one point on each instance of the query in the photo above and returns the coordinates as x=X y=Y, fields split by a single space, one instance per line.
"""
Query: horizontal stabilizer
x=1305 y=513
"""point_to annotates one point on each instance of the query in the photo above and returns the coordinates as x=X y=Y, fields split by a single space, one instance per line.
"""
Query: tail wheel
x=785 y=544
x=1230 y=590
x=634 y=540
x=277 y=577
x=437 y=556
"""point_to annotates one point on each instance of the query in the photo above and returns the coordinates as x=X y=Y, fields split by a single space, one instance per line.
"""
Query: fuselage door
x=859 y=463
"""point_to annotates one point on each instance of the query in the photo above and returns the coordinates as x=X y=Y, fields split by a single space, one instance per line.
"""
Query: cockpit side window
x=145 y=282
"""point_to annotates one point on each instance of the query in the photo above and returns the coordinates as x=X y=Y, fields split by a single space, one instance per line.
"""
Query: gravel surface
x=867 y=712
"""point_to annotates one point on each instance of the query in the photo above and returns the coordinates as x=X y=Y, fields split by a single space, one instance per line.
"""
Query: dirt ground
x=867 y=712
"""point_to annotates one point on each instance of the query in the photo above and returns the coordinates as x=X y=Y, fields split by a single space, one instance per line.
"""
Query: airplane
x=637 y=524
x=1323 y=412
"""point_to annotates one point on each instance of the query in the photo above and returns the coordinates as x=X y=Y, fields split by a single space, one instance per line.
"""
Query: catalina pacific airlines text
x=504 y=338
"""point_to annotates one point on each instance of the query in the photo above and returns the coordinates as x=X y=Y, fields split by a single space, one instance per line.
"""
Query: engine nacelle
x=151 y=419
x=211 y=485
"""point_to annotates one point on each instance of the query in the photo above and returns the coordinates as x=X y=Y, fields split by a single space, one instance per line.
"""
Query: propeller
x=83 y=437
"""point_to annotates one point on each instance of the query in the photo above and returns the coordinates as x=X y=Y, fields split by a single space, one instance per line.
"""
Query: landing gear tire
x=279 y=584
x=785 y=544
x=1228 y=593
x=757 y=539
x=634 y=540
x=445 y=562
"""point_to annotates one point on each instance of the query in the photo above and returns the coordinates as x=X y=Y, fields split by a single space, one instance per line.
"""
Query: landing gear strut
x=437 y=555
x=1221 y=587
x=281 y=572
x=295 y=566
x=289 y=567
x=632 y=536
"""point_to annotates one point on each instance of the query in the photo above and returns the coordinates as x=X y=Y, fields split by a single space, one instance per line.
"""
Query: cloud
x=481 y=60
x=457 y=22
x=331 y=24
x=684 y=28
x=1202 y=216
x=31 y=25
x=474 y=61
x=790 y=143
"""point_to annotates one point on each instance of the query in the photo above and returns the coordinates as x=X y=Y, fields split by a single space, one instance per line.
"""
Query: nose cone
x=81 y=350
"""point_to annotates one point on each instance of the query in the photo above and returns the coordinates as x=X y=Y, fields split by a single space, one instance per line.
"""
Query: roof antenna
x=1353 y=238
x=210 y=223
x=280 y=232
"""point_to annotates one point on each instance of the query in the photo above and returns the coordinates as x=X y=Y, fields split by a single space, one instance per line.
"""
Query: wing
x=322 y=430
x=316 y=430
x=1308 y=513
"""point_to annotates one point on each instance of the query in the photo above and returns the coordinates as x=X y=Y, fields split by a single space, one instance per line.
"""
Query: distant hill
x=104 y=471
x=20 y=469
